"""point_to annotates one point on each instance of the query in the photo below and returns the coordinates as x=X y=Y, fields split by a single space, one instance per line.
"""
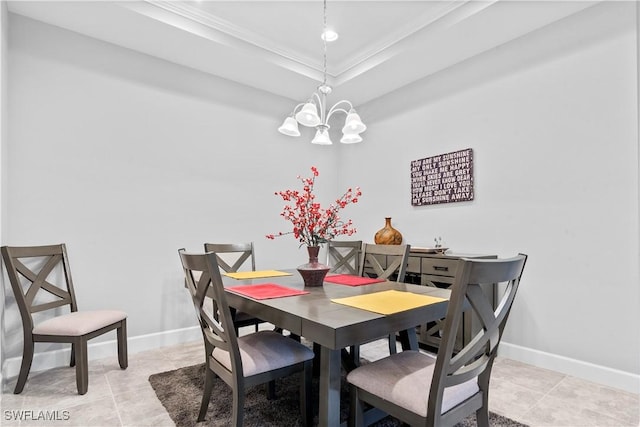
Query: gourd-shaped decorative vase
x=313 y=272
x=388 y=235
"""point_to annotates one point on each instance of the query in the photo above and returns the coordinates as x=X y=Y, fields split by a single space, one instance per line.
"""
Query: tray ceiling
x=276 y=46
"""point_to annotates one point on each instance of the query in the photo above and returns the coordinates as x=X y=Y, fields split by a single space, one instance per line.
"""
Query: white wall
x=127 y=158
x=553 y=122
x=4 y=30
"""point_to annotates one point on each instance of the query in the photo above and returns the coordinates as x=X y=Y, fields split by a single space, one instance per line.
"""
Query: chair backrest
x=475 y=359
x=240 y=252
x=202 y=275
x=344 y=256
x=40 y=277
x=383 y=261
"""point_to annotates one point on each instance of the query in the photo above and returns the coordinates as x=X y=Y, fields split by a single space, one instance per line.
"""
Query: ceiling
x=276 y=46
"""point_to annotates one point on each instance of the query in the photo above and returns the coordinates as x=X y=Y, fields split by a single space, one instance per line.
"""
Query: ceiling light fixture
x=306 y=113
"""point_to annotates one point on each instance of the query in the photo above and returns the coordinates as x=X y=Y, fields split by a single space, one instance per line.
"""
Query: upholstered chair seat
x=265 y=351
x=403 y=378
x=79 y=322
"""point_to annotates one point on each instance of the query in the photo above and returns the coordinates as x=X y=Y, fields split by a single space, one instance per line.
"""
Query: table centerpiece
x=313 y=225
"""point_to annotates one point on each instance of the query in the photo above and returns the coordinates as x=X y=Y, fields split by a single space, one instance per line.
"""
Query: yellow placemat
x=256 y=274
x=388 y=302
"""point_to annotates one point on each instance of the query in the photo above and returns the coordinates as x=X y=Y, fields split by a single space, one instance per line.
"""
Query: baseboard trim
x=99 y=350
x=614 y=378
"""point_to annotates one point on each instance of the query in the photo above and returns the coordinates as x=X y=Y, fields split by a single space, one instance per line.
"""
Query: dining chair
x=421 y=390
x=40 y=277
x=384 y=261
x=387 y=262
x=241 y=362
x=344 y=256
x=231 y=257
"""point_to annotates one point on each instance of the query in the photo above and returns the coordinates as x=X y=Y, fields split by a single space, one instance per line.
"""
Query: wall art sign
x=445 y=178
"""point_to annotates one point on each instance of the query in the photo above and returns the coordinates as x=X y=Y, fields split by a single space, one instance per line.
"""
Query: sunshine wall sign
x=445 y=178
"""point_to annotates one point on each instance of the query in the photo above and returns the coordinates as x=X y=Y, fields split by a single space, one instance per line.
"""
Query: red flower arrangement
x=313 y=225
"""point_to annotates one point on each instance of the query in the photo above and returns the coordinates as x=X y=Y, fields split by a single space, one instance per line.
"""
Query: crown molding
x=184 y=16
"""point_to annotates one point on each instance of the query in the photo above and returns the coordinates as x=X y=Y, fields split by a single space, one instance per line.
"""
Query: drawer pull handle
x=438 y=268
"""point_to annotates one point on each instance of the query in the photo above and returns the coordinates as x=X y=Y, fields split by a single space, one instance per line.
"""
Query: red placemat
x=265 y=291
x=350 y=280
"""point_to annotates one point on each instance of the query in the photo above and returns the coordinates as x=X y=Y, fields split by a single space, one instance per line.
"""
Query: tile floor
x=531 y=395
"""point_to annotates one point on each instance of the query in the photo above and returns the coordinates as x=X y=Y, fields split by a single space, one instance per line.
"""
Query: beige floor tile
x=511 y=400
x=554 y=412
x=142 y=408
x=186 y=354
x=531 y=377
x=145 y=363
x=10 y=406
x=591 y=397
x=94 y=413
x=130 y=380
x=62 y=381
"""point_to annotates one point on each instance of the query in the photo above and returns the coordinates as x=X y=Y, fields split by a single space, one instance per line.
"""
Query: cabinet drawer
x=413 y=265
x=439 y=267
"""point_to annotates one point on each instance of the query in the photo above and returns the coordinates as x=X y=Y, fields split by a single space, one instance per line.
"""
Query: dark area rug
x=180 y=391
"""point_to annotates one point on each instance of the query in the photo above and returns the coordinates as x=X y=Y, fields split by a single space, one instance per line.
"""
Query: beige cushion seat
x=404 y=379
x=265 y=351
x=79 y=322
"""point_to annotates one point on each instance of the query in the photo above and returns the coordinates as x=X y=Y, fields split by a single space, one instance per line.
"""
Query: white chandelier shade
x=351 y=138
x=353 y=124
x=308 y=115
x=289 y=127
x=322 y=136
x=314 y=112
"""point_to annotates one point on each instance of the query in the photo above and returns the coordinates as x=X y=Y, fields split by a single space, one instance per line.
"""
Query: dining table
x=334 y=326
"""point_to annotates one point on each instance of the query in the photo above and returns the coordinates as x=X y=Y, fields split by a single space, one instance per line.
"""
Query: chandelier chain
x=324 y=40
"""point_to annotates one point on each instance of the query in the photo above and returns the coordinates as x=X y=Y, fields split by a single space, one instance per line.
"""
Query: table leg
x=329 y=415
x=409 y=339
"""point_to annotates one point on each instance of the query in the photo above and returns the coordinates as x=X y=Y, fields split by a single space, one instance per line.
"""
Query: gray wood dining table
x=335 y=326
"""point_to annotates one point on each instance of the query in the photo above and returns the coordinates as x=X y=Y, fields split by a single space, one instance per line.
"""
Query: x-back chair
x=245 y=361
x=33 y=273
x=422 y=391
x=241 y=253
x=344 y=256
x=384 y=262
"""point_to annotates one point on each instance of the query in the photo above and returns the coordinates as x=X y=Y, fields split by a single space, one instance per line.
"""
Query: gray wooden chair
x=442 y=391
x=40 y=277
x=344 y=256
x=387 y=262
x=231 y=257
x=245 y=361
x=384 y=261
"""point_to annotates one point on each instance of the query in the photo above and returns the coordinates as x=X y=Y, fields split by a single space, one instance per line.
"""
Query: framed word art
x=442 y=179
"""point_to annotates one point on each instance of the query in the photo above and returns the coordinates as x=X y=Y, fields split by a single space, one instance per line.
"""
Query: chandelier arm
x=336 y=108
x=322 y=101
x=296 y=107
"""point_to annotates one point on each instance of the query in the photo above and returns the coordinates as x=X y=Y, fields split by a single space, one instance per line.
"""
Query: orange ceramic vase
x=388 y=235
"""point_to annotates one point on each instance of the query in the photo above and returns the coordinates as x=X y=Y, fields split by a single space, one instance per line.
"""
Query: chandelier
x=314 y=113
